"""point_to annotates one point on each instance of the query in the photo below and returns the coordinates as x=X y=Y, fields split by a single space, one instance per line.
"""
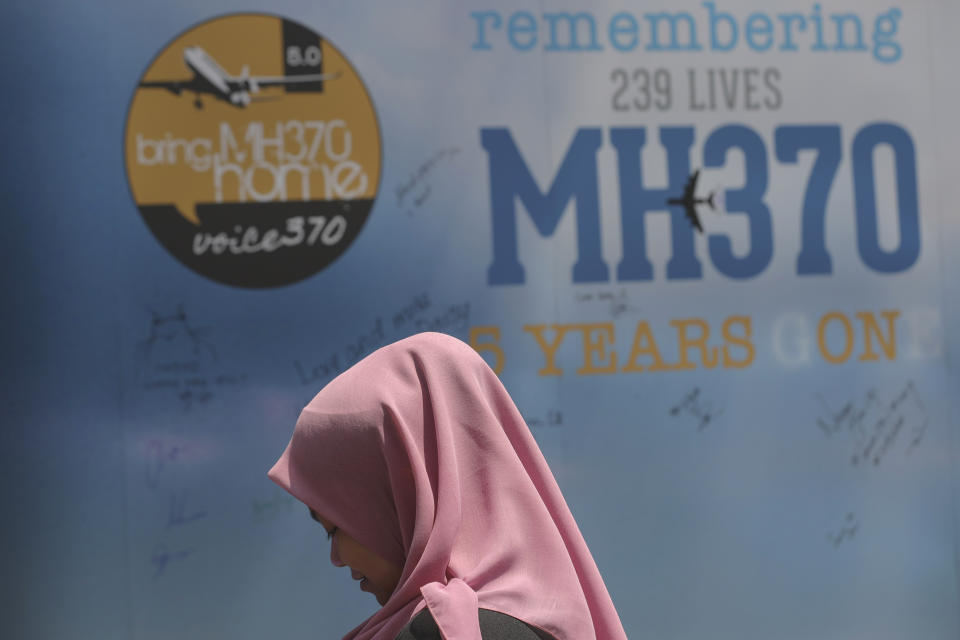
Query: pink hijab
x=419 y=454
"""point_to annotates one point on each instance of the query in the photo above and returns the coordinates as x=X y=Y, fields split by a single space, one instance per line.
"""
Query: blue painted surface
x=733 y=501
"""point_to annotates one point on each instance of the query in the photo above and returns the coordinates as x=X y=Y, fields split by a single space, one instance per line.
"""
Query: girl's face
x=376 y=574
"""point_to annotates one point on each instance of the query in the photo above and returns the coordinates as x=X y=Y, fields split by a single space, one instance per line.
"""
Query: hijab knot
x=454 y=608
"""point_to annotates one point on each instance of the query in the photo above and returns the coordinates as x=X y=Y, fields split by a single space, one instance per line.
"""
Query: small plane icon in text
x=690 y=201
x=211 y=78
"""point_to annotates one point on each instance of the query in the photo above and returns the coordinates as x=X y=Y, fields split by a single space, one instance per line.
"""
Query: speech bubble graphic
x=188 y=209
x=253 y=150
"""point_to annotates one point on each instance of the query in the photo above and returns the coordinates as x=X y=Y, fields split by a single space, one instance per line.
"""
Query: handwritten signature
x=161 y=558
x=618 y=302
x=416 y=184
x=264 y=510
x=553 y=418
x=157 y=456
x=177 y=514
x=846 y=531
x=876 y=424
x=695 y=406
x=188 y=397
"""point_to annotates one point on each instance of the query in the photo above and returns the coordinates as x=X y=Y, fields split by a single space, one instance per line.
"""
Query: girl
x=435 y=494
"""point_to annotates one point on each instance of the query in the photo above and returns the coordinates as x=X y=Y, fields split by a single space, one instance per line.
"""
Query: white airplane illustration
x=211 y=78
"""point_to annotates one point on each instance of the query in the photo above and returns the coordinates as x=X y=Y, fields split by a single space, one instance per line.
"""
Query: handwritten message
x=179 y=360
x=415 y=316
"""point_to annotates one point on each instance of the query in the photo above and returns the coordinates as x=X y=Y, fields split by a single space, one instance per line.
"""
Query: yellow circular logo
x=252 y=150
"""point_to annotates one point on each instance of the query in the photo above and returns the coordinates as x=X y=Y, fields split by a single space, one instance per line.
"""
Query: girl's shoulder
x=493 y=626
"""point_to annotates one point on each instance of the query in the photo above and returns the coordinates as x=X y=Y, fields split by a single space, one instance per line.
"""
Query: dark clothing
x=493 y=626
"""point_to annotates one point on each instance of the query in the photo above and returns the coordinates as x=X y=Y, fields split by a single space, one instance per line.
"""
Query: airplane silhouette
x=211 y=78
x=690 y=201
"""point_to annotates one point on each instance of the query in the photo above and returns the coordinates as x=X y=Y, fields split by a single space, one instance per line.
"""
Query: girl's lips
x=356 y=575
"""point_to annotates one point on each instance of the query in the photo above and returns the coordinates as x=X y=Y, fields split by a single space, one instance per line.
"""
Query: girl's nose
x=334 y=554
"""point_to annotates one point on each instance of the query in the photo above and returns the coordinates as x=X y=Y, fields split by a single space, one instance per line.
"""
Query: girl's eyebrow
x=316 y=518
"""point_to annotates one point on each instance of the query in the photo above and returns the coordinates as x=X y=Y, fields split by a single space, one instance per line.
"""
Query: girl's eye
x=331 y=532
